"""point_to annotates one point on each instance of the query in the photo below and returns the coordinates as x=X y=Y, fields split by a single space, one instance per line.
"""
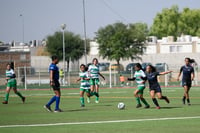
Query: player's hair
x=94 y=60
x=54 y=57
x=138 y=65
x=82 y=65
x=153 y=69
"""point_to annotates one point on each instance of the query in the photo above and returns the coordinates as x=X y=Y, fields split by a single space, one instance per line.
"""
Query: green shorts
x=141 y=89
x=85 y=90
x=94 y=81
x=12 y=83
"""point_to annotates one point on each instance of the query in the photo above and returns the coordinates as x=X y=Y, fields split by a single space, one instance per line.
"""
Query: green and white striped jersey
x=138 y=79
x=85 y=84
x=9 y=74
x=93 y=71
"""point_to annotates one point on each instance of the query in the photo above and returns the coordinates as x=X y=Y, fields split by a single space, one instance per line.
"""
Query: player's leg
x=160 y=96
x=88 y=95
x=19 y=94
x=7 y=94
x=137 y=98
x=152 y=93
x=140 y=94
x=92 y=87
x=97 y=90
x=186 y=93
x=82 y=97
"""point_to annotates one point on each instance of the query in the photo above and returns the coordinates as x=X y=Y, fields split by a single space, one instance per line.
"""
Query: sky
x=41 y=18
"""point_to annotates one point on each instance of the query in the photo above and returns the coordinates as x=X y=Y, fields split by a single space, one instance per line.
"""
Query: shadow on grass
x=76 y=110
x=170 y=107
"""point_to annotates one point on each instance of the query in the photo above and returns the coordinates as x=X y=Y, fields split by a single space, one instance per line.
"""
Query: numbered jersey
x=85 y=84
x=93 y=71
x=139 y=75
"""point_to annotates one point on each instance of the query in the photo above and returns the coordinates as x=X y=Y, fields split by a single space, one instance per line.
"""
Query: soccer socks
x=6 y=96
x=57 y=103
x=53 y=99
x=188 y=101
x=82 y=100
x=183 y=99
x=155 y=102
x=137 y=100
x=144 y=101
x=19 y=94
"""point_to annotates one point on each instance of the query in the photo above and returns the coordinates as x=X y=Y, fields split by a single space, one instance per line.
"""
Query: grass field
x=103 y=117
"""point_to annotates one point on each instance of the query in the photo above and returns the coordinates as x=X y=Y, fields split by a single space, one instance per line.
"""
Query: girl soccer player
x=94 y=78
x=188 y=76
x=140 y=78
x=85 y=84
x=154 y=85
x=11 y=84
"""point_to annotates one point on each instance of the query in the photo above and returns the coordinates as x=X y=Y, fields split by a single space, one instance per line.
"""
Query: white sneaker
x=88 y=100
x=96 y=101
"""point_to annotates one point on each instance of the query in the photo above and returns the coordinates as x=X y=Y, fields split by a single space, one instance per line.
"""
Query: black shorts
x=186 y=83
x=156 y=89
x=56 y=85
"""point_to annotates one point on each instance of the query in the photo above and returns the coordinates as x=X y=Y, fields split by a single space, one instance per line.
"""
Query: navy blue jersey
x=187 y=71
x=55 y=70
x=153 y=81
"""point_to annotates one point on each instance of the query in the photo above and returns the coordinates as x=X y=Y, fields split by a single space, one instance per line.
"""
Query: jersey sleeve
x=12 y=71
x=192 y=70
x=157 y=73
x=143 y=74
x=181 y=69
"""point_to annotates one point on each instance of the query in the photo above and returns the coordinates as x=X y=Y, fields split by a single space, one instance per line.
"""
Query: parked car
x=102 y=67
x=130 y=67
x=145 y=64
x=117 y=67
x=160 y=67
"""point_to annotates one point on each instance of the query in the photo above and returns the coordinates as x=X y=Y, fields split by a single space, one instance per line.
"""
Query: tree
x=119 y=41
x=74 y=46
x=172 y=22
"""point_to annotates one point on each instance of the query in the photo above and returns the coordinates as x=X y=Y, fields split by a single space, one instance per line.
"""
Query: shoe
x=58 y=110
x=88 y=100
x=82 y=105
x=167 y=100
x=48 y=108
x=189 y=104
x=139 y=105
x=5 y=102
x=146 y=107
x=183 y=100
x=96 y=101
x=158 y=107
x=23 y=99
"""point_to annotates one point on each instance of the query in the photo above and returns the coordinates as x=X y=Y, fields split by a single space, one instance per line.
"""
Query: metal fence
x=27 y=76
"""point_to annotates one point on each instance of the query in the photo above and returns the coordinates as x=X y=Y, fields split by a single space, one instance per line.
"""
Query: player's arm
x=179 y=74
x=192 y=75
x=163 y=73
x=102 y=76
x=131 y=79
x=78 y=79
x=51 y=77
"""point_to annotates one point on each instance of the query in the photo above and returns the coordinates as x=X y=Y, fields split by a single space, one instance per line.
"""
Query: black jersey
x=153 y=81
x=187 y=71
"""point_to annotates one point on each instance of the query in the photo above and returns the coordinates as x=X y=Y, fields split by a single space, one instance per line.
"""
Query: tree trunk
x=118 y=66
x=67 y=65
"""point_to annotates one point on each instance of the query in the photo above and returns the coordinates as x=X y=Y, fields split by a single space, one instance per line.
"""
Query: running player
x=54 y=82
x=85 y=84
x=140 y=78
x=11 y=84
x=187 y=76
x=94 y=78
x=154 y=86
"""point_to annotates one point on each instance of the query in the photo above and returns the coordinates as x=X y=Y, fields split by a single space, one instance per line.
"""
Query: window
x=179 y=48
x=172 y=49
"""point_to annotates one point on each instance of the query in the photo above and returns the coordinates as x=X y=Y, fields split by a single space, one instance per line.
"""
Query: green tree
x=165 y=23
x=74 y=46
x=119 y=41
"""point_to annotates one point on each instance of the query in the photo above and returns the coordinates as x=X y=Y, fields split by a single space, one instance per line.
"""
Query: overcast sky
x=44 y=17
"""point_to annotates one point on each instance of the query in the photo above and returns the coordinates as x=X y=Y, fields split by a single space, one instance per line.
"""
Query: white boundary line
x=101 y=122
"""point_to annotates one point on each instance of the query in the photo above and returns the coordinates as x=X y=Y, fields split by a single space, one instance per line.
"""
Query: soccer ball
x=121 y=105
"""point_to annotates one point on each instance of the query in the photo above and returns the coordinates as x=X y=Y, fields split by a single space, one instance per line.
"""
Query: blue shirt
x=55 y=70
x=152 y=78
x=187 y=71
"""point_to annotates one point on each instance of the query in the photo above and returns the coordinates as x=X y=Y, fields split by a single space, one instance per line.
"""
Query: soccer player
x=11 y=84
x=54 y=82
x=94 y=78
x=140 y=78
x=187 y=76
x=154 y=86
x=85 y=84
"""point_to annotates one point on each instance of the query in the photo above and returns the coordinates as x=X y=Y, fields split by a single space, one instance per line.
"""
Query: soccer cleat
x=167 y=100
x=82 y=105
x=139 y=105
x=146 y=107
x=97 y=101
x=58 y=110
x=5 y=102
x=189 y=104
x=48 y=108
x=23 y=99
x=88 y=100
x=158 y=107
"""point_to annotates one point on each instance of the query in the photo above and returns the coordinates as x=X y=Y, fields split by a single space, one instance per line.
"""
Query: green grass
x=32 y=112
